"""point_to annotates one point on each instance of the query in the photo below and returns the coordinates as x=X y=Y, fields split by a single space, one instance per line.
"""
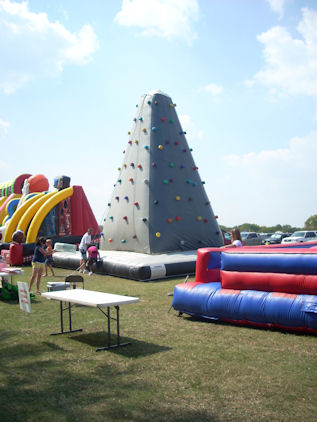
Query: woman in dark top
x=38 y=263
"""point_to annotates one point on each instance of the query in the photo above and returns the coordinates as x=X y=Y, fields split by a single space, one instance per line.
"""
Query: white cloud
x=33 y=47
x=277 y=6
x=212 y=89
x=273 y=186
x=290 y=63
x=163 y=18
x=4 y=127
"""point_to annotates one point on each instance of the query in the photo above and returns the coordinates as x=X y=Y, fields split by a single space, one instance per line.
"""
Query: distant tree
x=311 y=223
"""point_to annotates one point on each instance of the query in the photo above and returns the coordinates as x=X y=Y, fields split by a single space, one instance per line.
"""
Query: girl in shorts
x=38 y=263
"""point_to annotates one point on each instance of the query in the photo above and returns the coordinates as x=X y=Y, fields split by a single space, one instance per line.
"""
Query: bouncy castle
x=28 y=210
x=273 y=287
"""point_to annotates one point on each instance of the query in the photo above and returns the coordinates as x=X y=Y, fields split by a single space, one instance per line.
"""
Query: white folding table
x=92 y=299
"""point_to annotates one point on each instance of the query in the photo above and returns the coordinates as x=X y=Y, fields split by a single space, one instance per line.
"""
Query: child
x=49 y=259
x=93 y=255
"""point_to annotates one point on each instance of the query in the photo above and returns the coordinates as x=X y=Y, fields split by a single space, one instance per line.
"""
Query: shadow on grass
x=49 y=385
x=291 y=331
x=137 y=348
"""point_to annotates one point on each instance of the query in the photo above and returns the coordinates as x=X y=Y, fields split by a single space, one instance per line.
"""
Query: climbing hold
x=140 y=118
x=146 y=147
x=132 y=164
x=158 y=234
x=206 y=220
x=165 y=181
x=131 y=179
x=163 y=119
x=156 y=102
x=154 y=129
x=110 y=240
x=111 y=217
x=136 y=142
x=125 y=166
x=171 y=121
x=182 y=166
x=185 y=150
x=129 y=133
x=119 y=180
x=171 y=180
x=126 y=198
x=160 y=147
x=117 y=198
x=172 y=106
x=139 y=166
x=155 y=202
x=176 y=143
x=130 y=142
x=171 y=164
x=134 y=119
x=146 y=181
x=169 y=220
x=149 y=102
x=190 y=198
x=207 y=203
x=119 y=168
x=125 y=217
x=195 y=168
x=123 y=152
x=216 y=216
x=109 y=204
x=177 y=198
x=190 y=149
x=136 y=204
x=177 y=218
x=199 y=218
x=188 y=181
x=144 y=130
x=195 y=183
x=123 y=241
x=144 y=219
x=134 y=236
x=153 y=164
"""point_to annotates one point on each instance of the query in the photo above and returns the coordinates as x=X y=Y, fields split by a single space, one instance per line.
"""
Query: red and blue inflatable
x=274 y=287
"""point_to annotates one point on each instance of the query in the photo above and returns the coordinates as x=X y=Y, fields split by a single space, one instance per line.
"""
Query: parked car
x=251 y=238
x=301 y=236
x=275 y=239
x=226 y=237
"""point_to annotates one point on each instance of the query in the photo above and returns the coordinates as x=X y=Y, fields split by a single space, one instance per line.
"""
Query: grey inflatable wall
x=159 y=203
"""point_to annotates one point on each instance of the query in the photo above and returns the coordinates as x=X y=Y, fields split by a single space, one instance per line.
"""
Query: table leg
x=62 y=321
x=119 y=344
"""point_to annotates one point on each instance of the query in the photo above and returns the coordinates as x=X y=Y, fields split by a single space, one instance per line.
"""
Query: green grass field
x=177 y=368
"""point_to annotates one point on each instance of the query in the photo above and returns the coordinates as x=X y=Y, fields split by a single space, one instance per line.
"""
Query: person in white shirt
x=83 y=246
x=236 y=239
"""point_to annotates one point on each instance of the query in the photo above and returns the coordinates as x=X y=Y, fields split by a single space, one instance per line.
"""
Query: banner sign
x=24 y=296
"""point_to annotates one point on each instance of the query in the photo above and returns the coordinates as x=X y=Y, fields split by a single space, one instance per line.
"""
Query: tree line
x=310 y=224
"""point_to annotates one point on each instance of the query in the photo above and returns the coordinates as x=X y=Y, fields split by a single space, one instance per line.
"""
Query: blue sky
x=243 y=74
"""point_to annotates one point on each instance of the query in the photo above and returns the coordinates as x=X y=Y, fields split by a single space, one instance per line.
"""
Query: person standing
x=49 y=258
x=83 y=246
x=38 y=263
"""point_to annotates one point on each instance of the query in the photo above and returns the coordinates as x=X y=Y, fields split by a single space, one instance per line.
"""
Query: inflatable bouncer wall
x=265 y=287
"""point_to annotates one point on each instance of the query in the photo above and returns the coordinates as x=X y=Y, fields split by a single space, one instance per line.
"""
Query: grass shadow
x=137 y=348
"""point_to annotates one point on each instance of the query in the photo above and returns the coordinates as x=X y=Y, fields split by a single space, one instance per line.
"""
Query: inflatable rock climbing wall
x=159 y=203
